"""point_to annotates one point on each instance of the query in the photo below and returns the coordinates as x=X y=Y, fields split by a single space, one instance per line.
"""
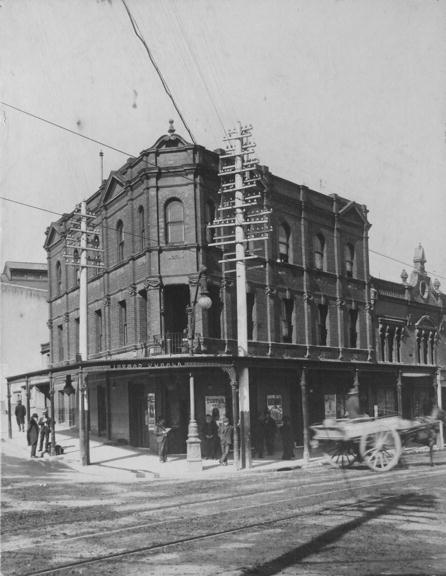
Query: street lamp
x=194 y=461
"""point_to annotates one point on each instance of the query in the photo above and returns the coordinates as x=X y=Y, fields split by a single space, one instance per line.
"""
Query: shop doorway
x=139 y=435
x=102 y=410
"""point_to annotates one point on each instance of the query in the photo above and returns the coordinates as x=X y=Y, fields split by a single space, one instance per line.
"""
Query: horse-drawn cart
x=376 y=441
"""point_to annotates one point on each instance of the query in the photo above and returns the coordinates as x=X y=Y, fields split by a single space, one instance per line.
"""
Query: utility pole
x=242 y=221
x=83 y=238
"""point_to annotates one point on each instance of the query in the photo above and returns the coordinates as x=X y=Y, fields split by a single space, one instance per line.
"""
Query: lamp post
x=202 y=299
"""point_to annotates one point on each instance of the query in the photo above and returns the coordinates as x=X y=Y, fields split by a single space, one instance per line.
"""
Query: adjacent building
x=318 y=322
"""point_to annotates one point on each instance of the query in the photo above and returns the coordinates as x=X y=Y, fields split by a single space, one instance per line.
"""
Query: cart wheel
x=340 y=454
x=381 y=450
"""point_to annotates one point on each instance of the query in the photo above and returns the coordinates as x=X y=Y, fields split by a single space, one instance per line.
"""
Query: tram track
x=172 y=543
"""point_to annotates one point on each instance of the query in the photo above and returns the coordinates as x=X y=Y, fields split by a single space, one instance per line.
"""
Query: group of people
x=217 y=437
x=264 y=435
x=38 y=432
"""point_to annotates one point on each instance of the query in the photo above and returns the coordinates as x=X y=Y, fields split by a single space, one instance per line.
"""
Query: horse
x=426 y=429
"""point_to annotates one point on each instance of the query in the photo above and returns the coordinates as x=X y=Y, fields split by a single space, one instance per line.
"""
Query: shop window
x=122 y=311
x=349 y=259
x=284 y=243
x=319 y=252
x=174 y=219
x=120 y=241
x=323 y=332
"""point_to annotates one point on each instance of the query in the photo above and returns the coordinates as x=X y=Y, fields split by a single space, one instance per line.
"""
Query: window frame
x=173 y=224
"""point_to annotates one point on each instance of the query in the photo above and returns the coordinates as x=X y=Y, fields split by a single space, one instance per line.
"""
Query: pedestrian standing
x=225 y=434
x=45 y=425
x=210 y=434
x=270 y=432
x=287 y=439
x=32 y=434
x=161 y=433
x=20 y=413
x=259 y=436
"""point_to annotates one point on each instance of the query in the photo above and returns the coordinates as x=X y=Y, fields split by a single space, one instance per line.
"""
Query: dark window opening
x=284 y=243
x=120 y=241
x=287 y=320
x=122 y=323
x=142 y=313
x=353 y=328
x=250 y=303
x=98 y=329
x=323 y=332
x=319 y=252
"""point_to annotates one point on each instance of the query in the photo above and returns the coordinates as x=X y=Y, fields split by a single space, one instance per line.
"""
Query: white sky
x=346 y=96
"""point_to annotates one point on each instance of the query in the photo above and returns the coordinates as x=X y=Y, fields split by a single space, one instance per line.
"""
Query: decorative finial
x=436 y=285
x=404 y=276
x=171 y=128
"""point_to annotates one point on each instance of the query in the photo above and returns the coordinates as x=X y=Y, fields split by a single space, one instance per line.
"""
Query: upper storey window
x=210 y=216
x=120 y=241
x=284 y=243
x=174 y=217
x=319 y=252
x=58 y=279
x=141 y=228
x=349 y=259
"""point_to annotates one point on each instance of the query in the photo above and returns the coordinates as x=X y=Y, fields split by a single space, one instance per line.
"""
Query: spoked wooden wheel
x=340 y=454
x=381 y=450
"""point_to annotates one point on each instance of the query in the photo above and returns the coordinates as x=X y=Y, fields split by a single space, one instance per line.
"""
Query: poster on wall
x=215 y=406
x=151 y=411
x=275 y=407
x=330 y=405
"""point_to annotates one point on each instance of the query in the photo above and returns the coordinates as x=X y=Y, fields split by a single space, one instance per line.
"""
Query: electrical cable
x=67 y=129
x=152 y=60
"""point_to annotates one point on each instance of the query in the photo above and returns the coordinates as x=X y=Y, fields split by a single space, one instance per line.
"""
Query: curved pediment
x=425 y=321
x=171 y=139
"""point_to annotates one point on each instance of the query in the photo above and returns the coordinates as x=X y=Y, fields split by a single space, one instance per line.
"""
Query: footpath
x=117 y=463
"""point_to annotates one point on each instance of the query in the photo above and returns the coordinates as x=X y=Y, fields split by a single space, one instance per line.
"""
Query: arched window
x=76 y=260
x=141 y=228
x=174 y=218
x=284 y=242
x=319 y=252
x=58 y=279
x=120 y=241
x=349 y=259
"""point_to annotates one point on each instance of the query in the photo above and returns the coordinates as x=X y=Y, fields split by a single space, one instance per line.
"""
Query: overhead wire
x=155 y=241
x=155 y=65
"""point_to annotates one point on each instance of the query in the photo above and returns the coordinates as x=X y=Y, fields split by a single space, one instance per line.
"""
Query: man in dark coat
x=161 y=433
x=225 y=434
x=259 y=436
x=287 y=439
x=210 y=433
x=270 y=432
x=32 y=434
x=20 y=413
x=45 y=425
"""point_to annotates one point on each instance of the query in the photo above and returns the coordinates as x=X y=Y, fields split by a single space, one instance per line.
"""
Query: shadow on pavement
x=381 y=507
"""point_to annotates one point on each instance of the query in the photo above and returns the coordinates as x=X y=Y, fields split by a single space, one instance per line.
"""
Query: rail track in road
x=356 y=484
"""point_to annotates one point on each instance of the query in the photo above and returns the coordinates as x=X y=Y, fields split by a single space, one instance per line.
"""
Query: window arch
x=58 y=278
x=319 y=252
x=174 y=219
x=349 y=259
x=284 y=242
x=120 y=240
x=141 y=228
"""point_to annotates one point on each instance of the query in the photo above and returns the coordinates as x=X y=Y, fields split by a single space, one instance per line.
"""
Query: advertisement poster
x=151 y=412
x=274 y=405
x=215 y=405
x=330 y=405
